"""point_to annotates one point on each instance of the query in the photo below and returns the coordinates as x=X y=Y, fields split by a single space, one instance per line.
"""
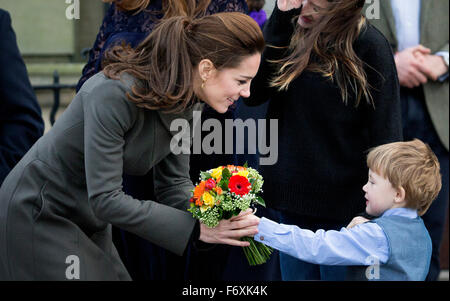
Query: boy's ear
x=400 y=196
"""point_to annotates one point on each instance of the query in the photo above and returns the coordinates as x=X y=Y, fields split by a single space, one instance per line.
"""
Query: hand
x=434 y=63
x=230 y=231
x=285 y=5
x=411 y=66
x=356 y=221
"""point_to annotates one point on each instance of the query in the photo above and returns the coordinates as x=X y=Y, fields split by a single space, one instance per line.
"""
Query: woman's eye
x=242 y=82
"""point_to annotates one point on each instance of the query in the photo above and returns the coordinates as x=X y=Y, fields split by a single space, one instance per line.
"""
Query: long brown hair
x=164 y=62
x=327 y=48
x=171 y=8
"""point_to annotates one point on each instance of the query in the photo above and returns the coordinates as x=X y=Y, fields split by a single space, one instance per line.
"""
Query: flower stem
x=257 y=253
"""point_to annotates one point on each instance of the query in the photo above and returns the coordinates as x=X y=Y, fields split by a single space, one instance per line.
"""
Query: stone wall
x=45 y=33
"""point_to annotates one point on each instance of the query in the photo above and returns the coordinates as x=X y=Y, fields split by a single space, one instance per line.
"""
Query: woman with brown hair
x=59 y=202
x=331 y=80
x=129 y=22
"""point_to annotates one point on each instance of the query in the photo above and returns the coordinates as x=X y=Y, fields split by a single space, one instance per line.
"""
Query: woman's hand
x=285 y=5
x=231 y=230
x=357 y=221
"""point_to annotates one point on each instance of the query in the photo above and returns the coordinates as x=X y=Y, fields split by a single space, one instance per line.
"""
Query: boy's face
x=379 y=195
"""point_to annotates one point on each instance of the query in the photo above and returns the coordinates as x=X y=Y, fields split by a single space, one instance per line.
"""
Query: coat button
x=261 y=237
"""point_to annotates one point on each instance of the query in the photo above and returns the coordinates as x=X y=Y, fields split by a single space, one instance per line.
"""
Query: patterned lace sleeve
x=92 y=66
x=218 y=6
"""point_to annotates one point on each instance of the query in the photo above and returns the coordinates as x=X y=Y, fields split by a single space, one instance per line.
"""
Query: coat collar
x=424 y=7
x=387 y=10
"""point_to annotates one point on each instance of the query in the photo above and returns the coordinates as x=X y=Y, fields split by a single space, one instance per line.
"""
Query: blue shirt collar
x=405 y=212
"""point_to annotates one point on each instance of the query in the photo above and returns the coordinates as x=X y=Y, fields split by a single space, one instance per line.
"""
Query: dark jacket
x=20 y=115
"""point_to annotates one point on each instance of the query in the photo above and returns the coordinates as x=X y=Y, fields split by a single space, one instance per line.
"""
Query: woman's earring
x=203 y=84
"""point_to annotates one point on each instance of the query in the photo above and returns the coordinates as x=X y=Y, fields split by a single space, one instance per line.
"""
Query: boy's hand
x=356 y=221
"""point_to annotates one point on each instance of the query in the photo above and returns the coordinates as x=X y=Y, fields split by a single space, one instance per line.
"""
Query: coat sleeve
x=172 y=182
x=21 y=123
x=108 y=116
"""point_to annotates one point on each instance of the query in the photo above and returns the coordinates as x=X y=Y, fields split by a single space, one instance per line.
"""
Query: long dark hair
x=164 y=62
x=327 y=48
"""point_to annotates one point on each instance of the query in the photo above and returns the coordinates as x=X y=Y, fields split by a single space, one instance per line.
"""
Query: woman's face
x=312 y=12
x=223 y=87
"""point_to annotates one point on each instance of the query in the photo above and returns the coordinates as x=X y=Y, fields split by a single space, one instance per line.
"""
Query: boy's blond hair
x=411 y=165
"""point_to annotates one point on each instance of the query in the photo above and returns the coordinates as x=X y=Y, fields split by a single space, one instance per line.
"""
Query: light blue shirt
x=407 y=25
x=407 y=22
x=355 y=246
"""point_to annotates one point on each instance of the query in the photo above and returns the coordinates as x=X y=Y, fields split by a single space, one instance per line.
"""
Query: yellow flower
x=217 y=172
x=208 y=199
x=243 y=173
x=203 y=208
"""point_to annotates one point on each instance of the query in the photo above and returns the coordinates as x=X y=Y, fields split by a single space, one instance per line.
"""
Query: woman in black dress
x=332 y=85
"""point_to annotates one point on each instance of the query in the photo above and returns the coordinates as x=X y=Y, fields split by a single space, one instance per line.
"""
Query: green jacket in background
x=434 y=35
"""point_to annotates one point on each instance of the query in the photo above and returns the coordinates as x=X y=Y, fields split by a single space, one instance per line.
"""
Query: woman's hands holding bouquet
x=229 y=231
x=222 y=202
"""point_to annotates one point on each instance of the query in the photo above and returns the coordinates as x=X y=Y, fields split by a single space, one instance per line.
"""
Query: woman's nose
x=245 y=92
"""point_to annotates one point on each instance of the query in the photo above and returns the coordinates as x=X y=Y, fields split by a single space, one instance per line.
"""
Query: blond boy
x=404 y=179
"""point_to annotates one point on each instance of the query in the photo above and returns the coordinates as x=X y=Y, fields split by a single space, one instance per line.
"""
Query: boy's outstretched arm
x=355 y=246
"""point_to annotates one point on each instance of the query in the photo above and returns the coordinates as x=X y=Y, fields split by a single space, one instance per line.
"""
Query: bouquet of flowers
x=224 y=192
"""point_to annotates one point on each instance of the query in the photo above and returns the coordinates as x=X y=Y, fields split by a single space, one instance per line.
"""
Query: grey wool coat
x=58 y=204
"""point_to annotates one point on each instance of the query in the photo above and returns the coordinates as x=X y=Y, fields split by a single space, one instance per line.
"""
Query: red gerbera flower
x=210 y=184
x=239 y=185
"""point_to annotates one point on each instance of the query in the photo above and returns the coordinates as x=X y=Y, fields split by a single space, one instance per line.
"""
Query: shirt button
x=261 y=237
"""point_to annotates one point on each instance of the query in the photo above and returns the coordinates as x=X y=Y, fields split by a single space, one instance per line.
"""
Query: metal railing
x=56 y=87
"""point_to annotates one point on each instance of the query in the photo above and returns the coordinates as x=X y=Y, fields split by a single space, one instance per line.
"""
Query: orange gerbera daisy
x=199 y=190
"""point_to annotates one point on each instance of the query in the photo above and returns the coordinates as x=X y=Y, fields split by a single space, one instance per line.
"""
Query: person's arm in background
x=21 y=122
x=384 y=116
x=278 y=31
